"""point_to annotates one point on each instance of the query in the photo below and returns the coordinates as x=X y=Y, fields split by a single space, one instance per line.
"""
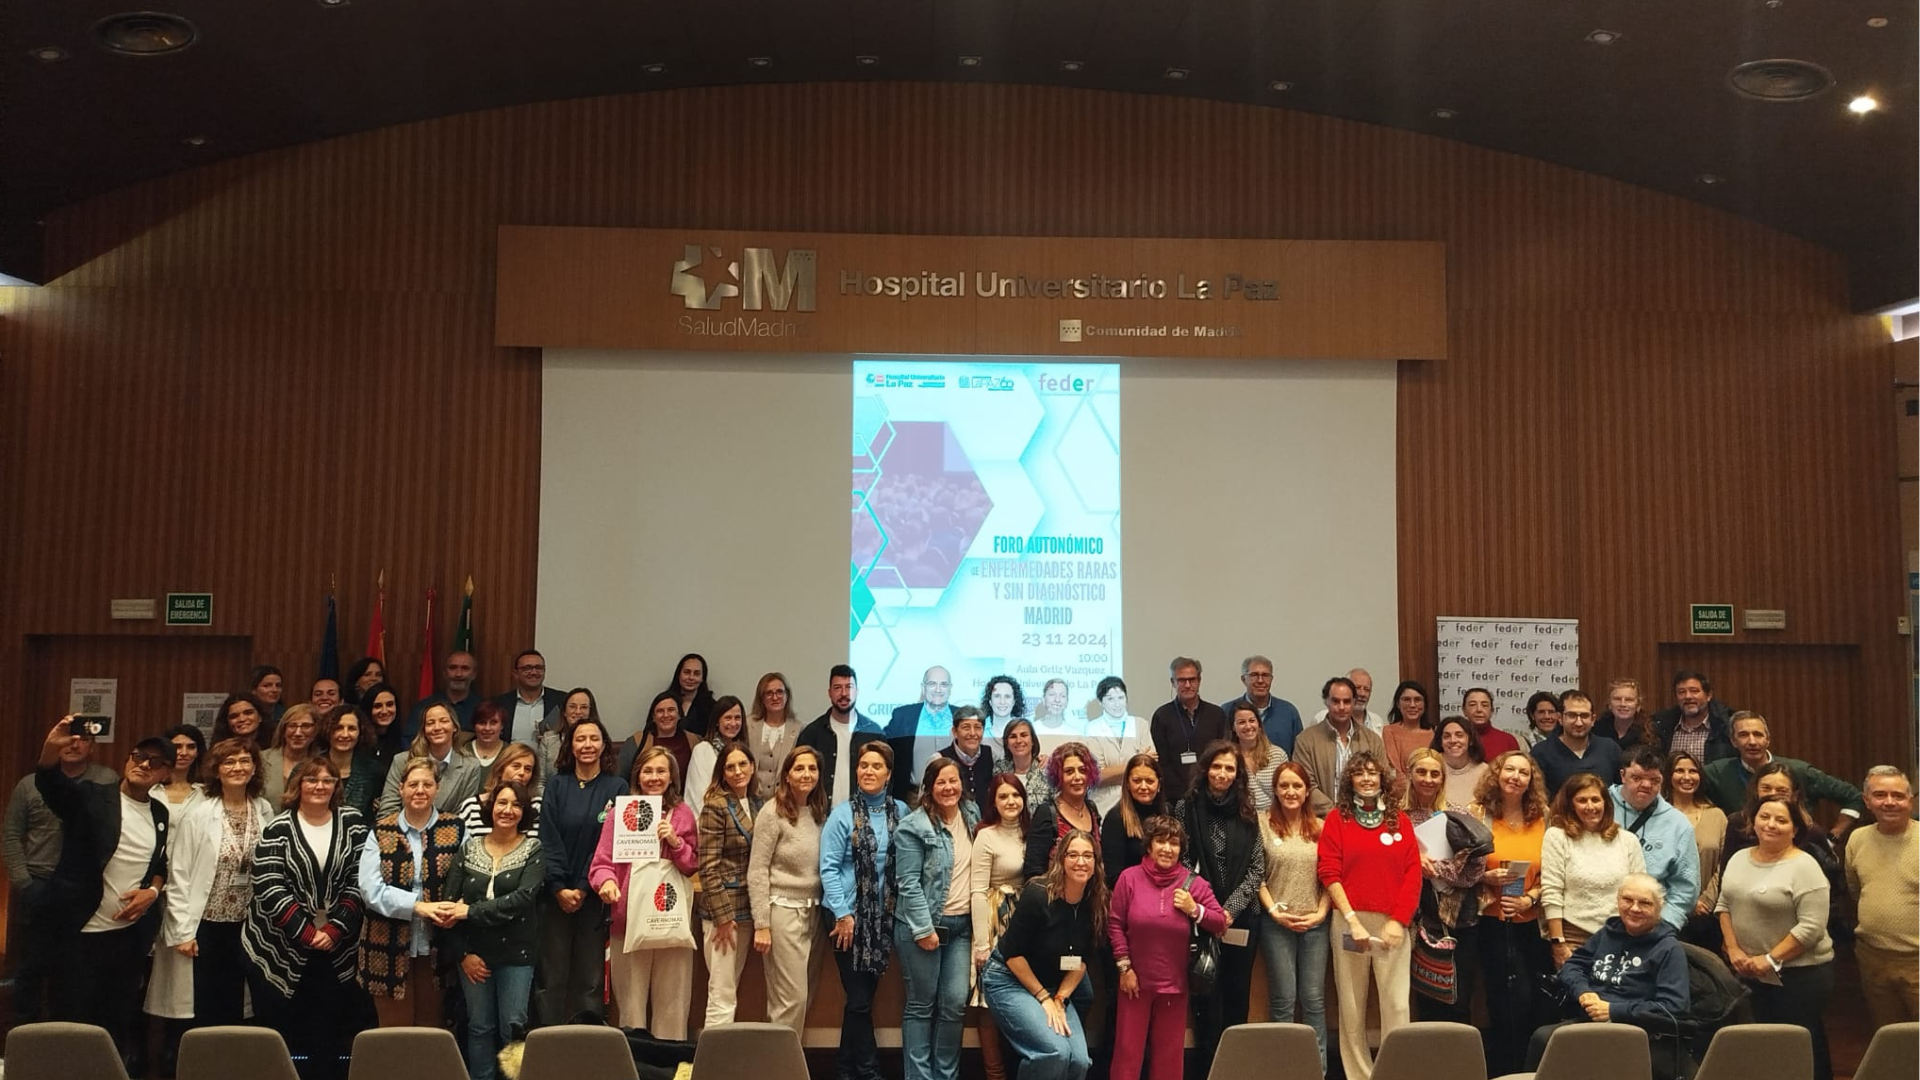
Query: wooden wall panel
x=270 y=370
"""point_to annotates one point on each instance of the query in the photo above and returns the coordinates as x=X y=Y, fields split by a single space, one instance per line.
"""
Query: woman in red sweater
x=1370 y=865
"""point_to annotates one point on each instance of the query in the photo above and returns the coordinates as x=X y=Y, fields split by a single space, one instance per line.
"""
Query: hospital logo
x=704 y=277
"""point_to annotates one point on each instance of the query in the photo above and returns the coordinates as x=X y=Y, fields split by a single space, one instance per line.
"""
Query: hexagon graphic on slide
x=925 y=504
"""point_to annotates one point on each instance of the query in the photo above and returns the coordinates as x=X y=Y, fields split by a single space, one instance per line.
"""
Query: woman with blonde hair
x=1626 y=721
x=459 y=774
x=772 y=731
x=660 y=979
x=295 y=739
x=1583 y=858
x=1512 y=800
x=783 y=883
x=516 y=763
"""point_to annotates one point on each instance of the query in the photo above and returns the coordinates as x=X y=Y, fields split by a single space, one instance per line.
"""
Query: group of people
x=1419 y=858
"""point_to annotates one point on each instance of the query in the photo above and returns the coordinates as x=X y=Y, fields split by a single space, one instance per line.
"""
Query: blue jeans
x=1297 y=974
x=494 y=1009
x=936 y=998
x=1045 y=1054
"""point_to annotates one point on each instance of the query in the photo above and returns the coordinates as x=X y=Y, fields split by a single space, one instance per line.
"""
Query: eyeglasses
x=320 y=781
x=531 y=667
x=151 y=760
x=1184 y=680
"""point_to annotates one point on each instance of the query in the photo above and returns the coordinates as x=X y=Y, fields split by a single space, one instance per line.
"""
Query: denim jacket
x=922 y=866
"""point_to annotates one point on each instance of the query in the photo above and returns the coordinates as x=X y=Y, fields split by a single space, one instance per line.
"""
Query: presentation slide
x=986 y=530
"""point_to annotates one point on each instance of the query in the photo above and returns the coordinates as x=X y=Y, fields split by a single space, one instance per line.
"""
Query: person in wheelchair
x=1633 y=970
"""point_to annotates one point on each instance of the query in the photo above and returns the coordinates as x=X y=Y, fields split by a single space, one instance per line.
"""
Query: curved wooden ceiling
x=1651 y=108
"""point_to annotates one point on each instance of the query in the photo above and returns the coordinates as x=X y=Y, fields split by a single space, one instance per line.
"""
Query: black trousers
x=219 y=975
x=857 y=1059
x=318 y=1022
x=99 y=979
x=1230 y=1000
x=33 y=951
x=1511 y=954
x=1801 y=1000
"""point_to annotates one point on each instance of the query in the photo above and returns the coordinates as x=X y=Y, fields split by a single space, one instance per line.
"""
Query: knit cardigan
x=386 y=944
x=296 y=895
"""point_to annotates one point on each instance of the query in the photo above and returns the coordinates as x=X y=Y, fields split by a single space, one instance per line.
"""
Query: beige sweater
x=785 y=862
x=1883 y=874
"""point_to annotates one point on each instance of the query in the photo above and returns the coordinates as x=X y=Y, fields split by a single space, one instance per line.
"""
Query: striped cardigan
x=296 y=895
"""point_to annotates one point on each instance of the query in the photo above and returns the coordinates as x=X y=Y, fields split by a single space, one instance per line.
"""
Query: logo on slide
x=1069 y=329
x=756 y=278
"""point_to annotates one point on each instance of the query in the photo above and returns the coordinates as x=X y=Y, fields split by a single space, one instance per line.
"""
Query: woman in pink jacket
x=662 y=976
x=1154 y=908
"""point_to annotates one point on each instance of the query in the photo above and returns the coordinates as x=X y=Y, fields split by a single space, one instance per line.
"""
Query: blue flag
x=330 y=644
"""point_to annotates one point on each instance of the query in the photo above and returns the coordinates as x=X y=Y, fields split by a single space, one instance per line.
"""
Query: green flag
x=463 y=632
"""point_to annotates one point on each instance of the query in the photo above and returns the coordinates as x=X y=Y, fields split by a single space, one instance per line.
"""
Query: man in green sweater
x=1725 y=781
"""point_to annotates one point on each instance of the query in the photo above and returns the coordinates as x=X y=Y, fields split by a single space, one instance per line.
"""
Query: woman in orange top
x=1512 y=800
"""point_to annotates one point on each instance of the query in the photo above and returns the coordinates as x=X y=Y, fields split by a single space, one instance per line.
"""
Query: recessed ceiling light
x=195 y=140
x=1603 y=37
x=334 y=3
x=1072 y=65
x=1711 y=179
x=969 y=61
x=1780 y=79
x=865 y=60
x=1280 y=86
x=48 y=54
x=1776 y=3
x=1177 y=74
x=654 y=68
x=1878 y=22
x=1444 y=114
x=760 y=61
x=144 y=33
x=1862 y=105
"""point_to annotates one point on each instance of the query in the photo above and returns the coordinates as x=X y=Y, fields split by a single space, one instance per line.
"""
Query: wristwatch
x=1556 y=941
x=1125 y=964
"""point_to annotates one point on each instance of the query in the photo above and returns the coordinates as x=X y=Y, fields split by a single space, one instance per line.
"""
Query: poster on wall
x=986 y=534
x=199 y=710
x=1512 y=658
x=94 y=697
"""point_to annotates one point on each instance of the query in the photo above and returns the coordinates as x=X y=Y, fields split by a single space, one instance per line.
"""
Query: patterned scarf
x=873 y=895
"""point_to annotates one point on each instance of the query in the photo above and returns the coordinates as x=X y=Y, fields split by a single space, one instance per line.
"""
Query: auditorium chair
x=1744 y=1051
x=1431 y=1051
x=234 y=1053
x=749 y=1052
x=576 y=1052
x=1594 y=1052
x=62 y=1051
x=1894 y=1054
x=416 y=1053
x=1268 y=1051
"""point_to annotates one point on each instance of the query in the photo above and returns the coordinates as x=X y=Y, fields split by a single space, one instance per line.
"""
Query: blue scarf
x=873 y=893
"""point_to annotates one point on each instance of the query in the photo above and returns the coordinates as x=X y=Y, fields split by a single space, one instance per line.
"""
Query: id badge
x=1236 y=936
x=1189 y=758
x=1069 y=963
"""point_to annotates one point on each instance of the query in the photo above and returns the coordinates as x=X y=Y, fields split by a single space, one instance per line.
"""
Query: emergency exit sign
x=1713 y=620
x=189 y=609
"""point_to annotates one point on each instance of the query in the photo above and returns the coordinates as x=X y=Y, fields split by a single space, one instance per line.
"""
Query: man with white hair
x=1883 y=874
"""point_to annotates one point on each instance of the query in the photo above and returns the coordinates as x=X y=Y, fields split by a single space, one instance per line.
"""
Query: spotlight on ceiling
x=1072 y=65
x=1279 y=86
x=760 y=61
x=1444 y=114
x=970 y=61
x=654 y=68
x=1878 y=22
x=866 y=60
x=195 y=140
x=48 y=54
x=1711 y=179
x=1178 y=74
x=1862 y=105
x=144 y=33
x=1603 y=37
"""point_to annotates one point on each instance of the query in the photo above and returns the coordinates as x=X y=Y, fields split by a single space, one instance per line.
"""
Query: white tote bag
x=659 y=907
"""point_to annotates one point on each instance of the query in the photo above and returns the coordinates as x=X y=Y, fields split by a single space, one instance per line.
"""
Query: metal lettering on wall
x=792 y=281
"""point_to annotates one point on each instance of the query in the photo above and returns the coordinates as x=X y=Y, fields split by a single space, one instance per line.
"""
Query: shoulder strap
x=1642 y=819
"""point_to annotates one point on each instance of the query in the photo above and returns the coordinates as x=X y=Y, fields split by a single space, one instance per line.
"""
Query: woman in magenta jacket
x=1155 y=905
x=662 y=977
x=1370 y=865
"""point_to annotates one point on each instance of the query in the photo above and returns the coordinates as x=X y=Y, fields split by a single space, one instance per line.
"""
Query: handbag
x=1436 y=972
x=1203 y=957
x=659 y=907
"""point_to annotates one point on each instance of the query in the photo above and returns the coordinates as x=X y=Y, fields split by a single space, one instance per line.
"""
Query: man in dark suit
x=531 y=703
x=106 y=888
x=840 y=727
x=917 y=731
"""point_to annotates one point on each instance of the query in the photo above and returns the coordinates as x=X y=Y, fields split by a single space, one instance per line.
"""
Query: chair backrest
x=60 y=1051
x=416 y=1053
x=1597 y=1052
x=234 y=1053
x=1894 y=1054
x=1744 y=1051
x=1431 y=1051
x=749 y=1052
x=1269 y=1051
x=576 y=1052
